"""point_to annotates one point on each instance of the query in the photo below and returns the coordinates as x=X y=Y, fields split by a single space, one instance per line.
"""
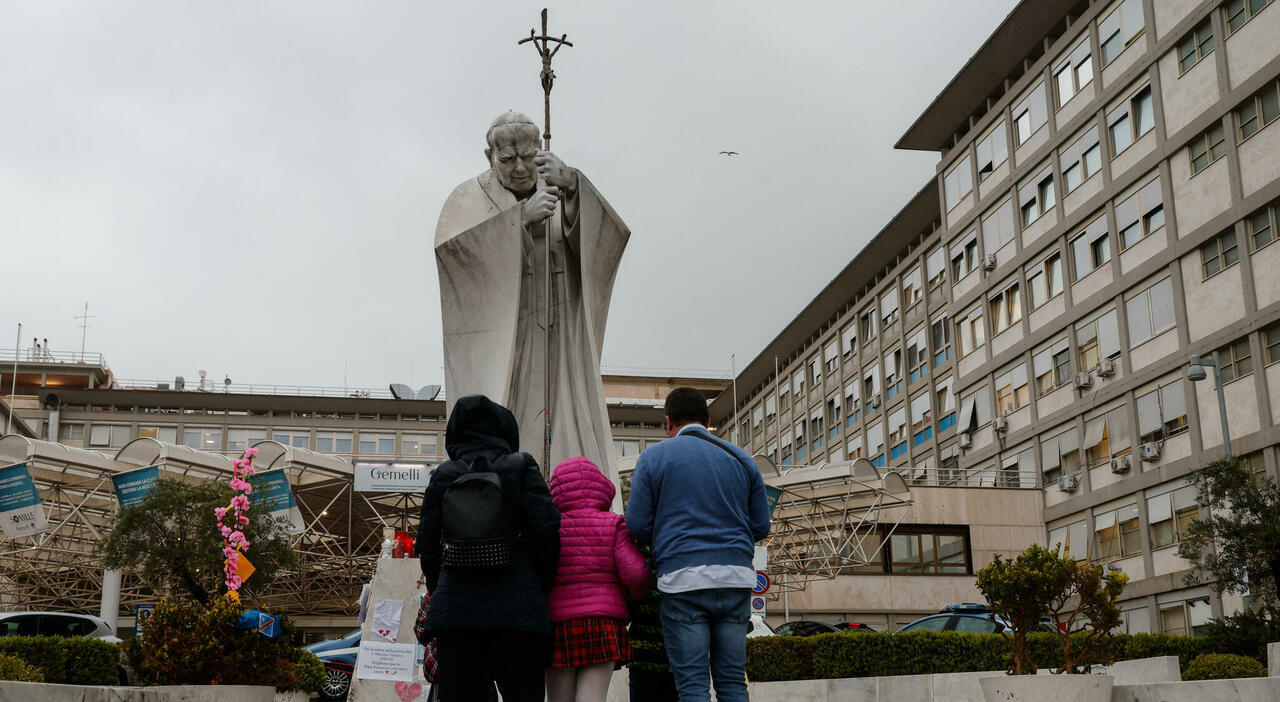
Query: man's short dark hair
x=685 y=405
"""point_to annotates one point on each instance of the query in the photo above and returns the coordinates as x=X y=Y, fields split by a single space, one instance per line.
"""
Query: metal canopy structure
x=59 y=570
x=831 y=519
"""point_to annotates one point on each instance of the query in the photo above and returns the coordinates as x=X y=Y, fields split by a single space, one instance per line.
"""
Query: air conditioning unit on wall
x=966 y=441
x=1068 y=483
x=1120 y=464
x=989 y=262
x=1151 y=451
x=1084 y=381
x=1106 y=368
x=1000 y=424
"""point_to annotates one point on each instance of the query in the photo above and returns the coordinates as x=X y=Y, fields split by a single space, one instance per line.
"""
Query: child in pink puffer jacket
x=599 y=568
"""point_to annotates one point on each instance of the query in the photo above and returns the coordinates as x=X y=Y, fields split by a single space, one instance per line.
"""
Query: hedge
x=70 y=661
x=1222 y=666
x=16 y=669
x=853 y=655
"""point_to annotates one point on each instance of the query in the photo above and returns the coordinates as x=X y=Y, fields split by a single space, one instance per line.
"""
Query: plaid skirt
x=588 y=641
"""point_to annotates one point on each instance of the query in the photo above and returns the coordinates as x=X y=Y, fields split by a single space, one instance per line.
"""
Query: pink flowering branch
x=233 y=539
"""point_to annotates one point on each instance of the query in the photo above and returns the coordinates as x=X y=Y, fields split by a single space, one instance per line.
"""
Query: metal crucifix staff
x=548 y=77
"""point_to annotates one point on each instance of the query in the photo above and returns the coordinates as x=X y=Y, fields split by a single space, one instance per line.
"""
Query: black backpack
x=479 y=529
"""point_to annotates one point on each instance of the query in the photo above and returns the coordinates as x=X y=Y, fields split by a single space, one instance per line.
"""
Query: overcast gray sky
x=252 y=188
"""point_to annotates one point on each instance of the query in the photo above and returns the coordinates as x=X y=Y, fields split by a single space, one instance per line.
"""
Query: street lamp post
x=1195 y=373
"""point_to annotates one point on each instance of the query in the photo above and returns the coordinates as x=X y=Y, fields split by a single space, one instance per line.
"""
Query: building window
x=377 y=443
x=936 y=267
x=893 y=373
x=993 y=151
x=851 y=404
x=973 y=333
x=929 y=550
x=964 y=256
x=940 y=331
x=333 y=441
x=815 y=373
x=1044 y=280
x=853 y=449
x=797 y=385
x=419 y=444
x=1052 y=366
x=889 y=308
x=871 y=387
x=1005 y=308
x=975 y=410
x=1074 y=72
x=1106 y=437
x=1140 y=214
x=849 y=339
x=1060 y=455
x=166 y=435
x=1219 y=252
x=1036 y=196
x=1090 y=249
x=1117 y=533
x=786 y=450
x=898 y=433
x=831 y=358
x=921 y=419
x=875 y=443
x=802 y=446
x=867 y=325
x=1082 y=160
x=912 y=292
x=1207 y=148
x=1162 y=413
x=1169 y=514
x=1030 y=114
x=770 y=407
x=1196 y=45
x=1097 y=340
x=817 y=430
x=1236 y=360
x=1128 y=122
x=1189 y=618
x=833 y=417
x=917 y=357
x=1261 y=225
x=1012 y=390
x=626 y=447
x=1236 y=12
x=1120 y=28
x=958 y=182
x=1258 y=111
x=997 y=227
x=203 y=438
x=115 y=436
x=241 y=439
x=1150 y=312
x=1072 y=539
x=1135 y=621
x=295 y=438
x=1271 y=339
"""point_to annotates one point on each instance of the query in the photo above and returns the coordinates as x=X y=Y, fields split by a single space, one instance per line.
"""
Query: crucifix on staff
x=527 y=252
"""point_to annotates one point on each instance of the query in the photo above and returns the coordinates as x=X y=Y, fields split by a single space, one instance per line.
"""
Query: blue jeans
x=707 y=629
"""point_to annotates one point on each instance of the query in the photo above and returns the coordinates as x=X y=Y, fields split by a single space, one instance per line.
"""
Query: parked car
x=805 y=627
x=758 y=627
x=968 y=617
x=56 y=624
x=64 y=624
x=854 y=626
x=339 y=659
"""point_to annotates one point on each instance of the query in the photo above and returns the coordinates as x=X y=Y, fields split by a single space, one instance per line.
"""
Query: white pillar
x=110 y=609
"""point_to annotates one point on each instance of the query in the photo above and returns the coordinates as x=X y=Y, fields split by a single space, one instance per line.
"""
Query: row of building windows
x=238 y=439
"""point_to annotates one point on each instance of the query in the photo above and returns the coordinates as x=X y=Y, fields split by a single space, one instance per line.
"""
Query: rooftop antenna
x=84 y=327
x=13 y=384
x=202 y=374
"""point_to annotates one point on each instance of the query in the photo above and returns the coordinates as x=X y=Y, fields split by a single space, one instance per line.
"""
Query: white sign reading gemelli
x=392 y=477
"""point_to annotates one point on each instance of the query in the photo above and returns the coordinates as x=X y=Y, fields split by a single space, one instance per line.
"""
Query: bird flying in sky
x=729 y=153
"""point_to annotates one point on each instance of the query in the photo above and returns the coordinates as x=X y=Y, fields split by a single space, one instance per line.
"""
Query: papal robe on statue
x=491 y=293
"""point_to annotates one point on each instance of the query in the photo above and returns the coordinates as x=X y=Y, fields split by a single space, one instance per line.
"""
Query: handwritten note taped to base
x=385 y=661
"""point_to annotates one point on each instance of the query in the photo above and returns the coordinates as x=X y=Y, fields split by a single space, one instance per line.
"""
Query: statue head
x=513 y=142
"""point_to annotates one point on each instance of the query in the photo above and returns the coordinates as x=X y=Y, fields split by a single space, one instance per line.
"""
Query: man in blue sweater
x=699 y=502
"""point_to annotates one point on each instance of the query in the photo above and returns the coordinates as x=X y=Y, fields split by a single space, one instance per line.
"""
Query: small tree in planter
x=1040 y=583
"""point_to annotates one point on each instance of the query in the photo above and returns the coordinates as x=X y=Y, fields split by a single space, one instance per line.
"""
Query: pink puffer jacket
x=598 y=562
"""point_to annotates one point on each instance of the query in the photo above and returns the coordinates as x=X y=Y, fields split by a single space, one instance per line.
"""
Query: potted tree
x=1079 y=598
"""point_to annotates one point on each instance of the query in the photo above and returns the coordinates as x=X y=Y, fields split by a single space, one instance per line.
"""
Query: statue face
x=512 y=159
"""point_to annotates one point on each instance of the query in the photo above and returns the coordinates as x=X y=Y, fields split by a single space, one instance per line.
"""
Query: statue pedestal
x=394 y=579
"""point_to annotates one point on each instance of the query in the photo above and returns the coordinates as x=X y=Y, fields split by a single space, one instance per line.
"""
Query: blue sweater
x=696 y=504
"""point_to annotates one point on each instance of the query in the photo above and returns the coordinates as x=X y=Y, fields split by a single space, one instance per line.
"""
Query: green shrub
x=308 y=670
x=852 y=655
x=188 y=643
x=1221 y=666
x=68 y=661
x=1245 y=633
x=16 y=669
x=780 y=658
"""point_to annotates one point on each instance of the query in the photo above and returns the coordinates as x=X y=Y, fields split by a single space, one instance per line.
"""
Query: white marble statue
x=490 y=254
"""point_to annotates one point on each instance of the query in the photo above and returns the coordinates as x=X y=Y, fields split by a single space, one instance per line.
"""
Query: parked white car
x=56 y=624
x=758 y=627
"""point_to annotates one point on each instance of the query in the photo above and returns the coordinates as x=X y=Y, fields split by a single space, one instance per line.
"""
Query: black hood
x=480 y=425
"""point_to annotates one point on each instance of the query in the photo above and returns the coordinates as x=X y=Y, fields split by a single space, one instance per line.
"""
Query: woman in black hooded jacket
x=491 y=625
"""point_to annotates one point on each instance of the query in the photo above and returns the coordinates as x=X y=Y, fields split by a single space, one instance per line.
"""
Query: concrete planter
x=291 y=696
x=1047 y=688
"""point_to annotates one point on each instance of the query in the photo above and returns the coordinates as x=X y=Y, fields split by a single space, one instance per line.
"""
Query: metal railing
x=44 y=356
x=214 y=386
